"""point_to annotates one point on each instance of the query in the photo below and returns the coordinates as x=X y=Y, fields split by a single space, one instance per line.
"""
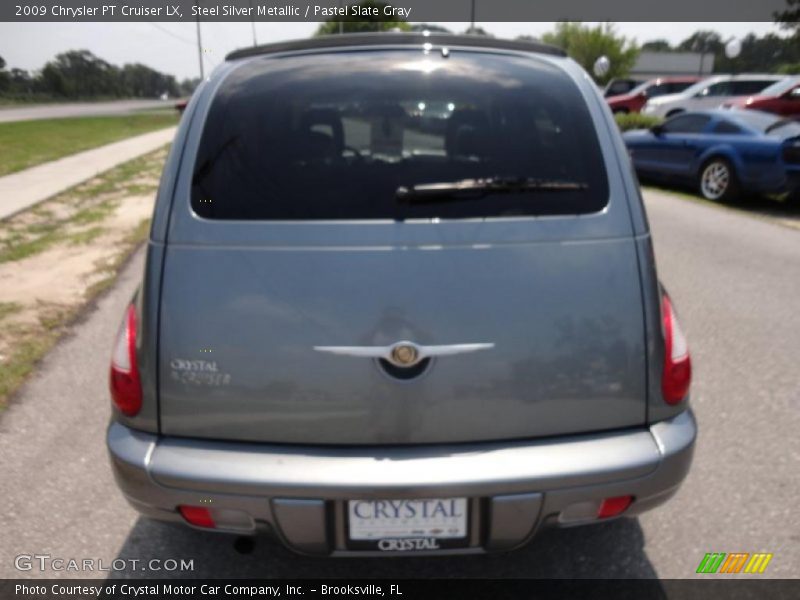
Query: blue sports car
x=724 y=152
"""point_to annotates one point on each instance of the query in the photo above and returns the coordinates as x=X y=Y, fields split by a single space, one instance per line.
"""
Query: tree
x=657 y=46
x=585 y=44
x=361 y=24
x=141 y=81
x=790 y=18
x=477 y=31
x=79 y=73
x=768 y=53
x=187 y=86
x=703 y=41
x=429 y=27
x=21 y=82
x=5 y=78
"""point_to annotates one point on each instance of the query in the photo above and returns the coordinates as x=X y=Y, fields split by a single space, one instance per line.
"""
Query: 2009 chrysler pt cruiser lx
x=400 y=297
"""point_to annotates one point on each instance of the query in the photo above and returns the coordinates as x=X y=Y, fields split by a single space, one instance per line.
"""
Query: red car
x=781 y=98
x=633 y=101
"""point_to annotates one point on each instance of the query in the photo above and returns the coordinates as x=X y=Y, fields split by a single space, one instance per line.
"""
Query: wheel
x=717 y=180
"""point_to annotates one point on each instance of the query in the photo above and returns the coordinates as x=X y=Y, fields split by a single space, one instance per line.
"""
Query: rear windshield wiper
x=476 y=188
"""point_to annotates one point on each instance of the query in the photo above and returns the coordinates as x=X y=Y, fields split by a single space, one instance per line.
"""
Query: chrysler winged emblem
x=404 y=354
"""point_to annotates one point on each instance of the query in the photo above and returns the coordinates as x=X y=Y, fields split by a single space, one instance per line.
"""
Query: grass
x=86 y=211
x=627 y=121
x=15 y=249
x=24 y=144
x=26 y=354
x=8 y=308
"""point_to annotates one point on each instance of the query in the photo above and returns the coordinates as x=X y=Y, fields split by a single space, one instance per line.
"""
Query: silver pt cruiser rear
x=399 y=297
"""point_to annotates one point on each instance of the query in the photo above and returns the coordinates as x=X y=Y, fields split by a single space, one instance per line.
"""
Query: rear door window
x=334 y=136
x=723 y=88
x=678 y=86
x=658 y=90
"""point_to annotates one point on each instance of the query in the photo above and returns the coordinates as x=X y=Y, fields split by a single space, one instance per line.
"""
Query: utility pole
x=199 y=43
x=253 y=24
x=472 y=18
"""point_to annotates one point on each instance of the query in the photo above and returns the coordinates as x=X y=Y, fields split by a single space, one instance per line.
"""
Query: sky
x=172 y=47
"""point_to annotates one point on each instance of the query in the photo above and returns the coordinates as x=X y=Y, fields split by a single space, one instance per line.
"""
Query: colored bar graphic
x=711 y=562
x=734 y=562
x=758 y=563
x=721 y=562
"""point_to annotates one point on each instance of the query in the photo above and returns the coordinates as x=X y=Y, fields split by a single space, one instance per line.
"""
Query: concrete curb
x=27 y=188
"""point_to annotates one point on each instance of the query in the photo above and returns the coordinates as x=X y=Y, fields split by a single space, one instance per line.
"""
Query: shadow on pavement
x=610 y=550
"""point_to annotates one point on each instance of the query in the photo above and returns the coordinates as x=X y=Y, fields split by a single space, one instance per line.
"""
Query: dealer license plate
x=408 y=524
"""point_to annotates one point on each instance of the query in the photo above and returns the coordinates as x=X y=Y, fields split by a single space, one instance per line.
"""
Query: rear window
x=334 y=136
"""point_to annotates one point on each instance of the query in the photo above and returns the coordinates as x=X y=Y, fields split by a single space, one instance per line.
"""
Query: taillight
x=199 y=516
x=611 y=507
x=126 y=386
x=677 y=375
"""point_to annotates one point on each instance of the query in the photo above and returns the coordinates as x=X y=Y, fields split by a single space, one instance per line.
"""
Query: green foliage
x=703 y=41
x=361 y=24
x=628 y=121
x=477 y=31
x=769 y=53
x=657 y=46
x=789 y=69
x=766 y=53
x=429 y=27
x=27 y=143
x=585 y=44
x=79 y=74
x=790 y=18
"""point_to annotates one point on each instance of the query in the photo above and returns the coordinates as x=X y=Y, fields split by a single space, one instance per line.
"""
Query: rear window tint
x=333 y=136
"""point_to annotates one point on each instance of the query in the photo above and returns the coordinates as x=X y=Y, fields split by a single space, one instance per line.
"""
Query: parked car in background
x=781 y=98
x=355 y=329
x=709 y=93
x=724 y=152
x=618 y=86
x=633 y=101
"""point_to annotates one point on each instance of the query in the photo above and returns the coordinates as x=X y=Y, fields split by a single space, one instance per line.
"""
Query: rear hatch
x=289 y=238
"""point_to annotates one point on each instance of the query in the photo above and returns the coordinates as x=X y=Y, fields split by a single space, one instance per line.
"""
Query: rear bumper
x=300 y=493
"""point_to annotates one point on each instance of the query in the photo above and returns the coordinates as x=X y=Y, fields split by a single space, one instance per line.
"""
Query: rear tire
x=717 y=180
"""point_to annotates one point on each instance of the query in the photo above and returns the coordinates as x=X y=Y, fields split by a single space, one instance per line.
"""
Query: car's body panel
x=586 y=370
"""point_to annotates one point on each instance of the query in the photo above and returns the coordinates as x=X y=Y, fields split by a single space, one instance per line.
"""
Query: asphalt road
x=736 y=282
x=79 y=109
